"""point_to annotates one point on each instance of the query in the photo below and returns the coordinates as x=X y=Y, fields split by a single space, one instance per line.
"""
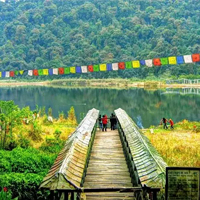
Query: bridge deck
x=107 y=167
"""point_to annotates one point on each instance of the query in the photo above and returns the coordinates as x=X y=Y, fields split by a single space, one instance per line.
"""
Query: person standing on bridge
x=112 y=122
x=100 y=122
x=104 y=121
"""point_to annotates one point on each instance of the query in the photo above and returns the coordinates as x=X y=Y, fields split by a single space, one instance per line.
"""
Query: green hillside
x=53 y=33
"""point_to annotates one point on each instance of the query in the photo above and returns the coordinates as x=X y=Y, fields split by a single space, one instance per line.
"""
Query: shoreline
x=99 y=83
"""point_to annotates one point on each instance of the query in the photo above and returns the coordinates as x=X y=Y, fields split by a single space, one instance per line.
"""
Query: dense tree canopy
x=53 y=33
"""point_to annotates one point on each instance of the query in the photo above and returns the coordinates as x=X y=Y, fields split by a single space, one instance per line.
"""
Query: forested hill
x=53 y=33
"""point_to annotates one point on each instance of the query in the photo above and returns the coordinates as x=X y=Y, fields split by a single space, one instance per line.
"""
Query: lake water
x=143 y=106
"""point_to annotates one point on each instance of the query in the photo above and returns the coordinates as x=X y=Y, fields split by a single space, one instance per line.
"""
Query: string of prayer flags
x=171 y=60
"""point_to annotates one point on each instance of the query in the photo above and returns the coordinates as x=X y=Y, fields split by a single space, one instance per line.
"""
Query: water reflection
x=144 y=107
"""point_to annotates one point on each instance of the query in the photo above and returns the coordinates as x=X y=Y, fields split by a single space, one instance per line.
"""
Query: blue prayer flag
x=50 y=71
x=78 y=69
x=3 y=74
x=109 y=66
x=142 y=62
x=180 y=60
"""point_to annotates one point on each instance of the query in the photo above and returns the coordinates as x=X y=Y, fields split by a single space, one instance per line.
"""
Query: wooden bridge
x=117 y=164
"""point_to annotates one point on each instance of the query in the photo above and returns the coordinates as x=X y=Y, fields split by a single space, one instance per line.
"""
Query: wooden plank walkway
x=107 y=167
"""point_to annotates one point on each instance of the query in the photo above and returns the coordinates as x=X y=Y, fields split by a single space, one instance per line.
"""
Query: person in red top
x=104 y=122
x=171 y=123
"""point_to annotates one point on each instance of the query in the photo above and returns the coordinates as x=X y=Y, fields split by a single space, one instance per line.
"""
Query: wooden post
x=51 y=195
x=66 y=196
x=154 y=195
x=72 y=195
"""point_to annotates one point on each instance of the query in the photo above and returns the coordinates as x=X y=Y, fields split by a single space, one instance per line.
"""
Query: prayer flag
x=3 y=74
x=180 y=59
x=21 y=72
x=96 y=68
x=156 y=61
x=72 y=70
x=102 y=67
x=35 y=72
x=121 y=65
x=90 y=68
x=12 y=74
x=67 y=70
x=16 y=73
x=45 y=72
x=149 y=63
x=115 y=66
x=30 y=72
x=84 y=69
x=61 y=70
x=78 y=69
x=40 y=72
x=50 y=71
x=172 y=60
x=109 y=67
x=0 y=74
x=129 y=65
x=188 y=59
x=142 y=62
x=196 y=57
x=55 y=71
x=136 y=63
x=164 y=61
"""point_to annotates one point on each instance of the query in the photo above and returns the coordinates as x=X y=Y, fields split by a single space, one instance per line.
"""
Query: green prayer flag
x=16 y=73
x=164 y=61
x=129 y=65
x=96 y=68
x=67 y=70
x=40 y=72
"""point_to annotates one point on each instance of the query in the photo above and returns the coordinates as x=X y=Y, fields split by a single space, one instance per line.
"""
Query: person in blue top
x=100 y=122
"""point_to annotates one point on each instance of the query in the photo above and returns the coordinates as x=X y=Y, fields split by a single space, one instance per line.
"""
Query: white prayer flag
x=55 y=71
x=7 y=74
x=84 y=69
x=30 y=72
x=188 y=59
x=149 y=63
x=115 y=66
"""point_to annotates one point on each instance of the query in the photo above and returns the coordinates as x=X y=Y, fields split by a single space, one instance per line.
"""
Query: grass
x=179 y=147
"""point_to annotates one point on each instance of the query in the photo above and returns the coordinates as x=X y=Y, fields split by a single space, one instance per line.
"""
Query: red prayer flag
x=156 y=61
x=12 y=73
x=35 y=72
x=61 y=70
x=121 y=65
x=196 y=57
x=90 y=68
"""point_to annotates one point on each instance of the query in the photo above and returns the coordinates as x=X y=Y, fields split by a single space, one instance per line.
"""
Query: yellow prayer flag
x=73 y=70
x=172 y=60
x=0 y=74
x=136 y=63
x=102 y=67
x=45 y=71
x=21 y=72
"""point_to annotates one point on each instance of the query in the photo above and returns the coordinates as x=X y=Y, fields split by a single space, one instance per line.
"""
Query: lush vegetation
x=179 y=147
x=29 y=144
x=50 y=33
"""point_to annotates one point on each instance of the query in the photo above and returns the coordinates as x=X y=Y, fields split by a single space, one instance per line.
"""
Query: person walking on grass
x=164 y=122
x=104 y=122
x=171 y=123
